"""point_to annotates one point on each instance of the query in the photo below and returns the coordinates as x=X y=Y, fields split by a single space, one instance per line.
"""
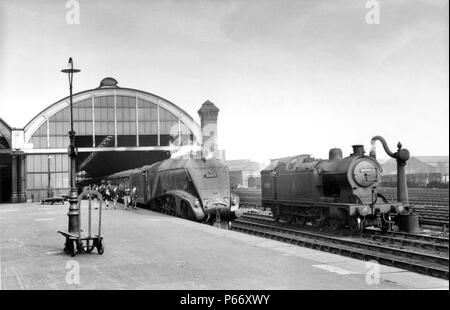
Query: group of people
x=111 y=195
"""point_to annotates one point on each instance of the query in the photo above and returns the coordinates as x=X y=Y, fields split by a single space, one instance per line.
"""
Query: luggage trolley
x=83 y=243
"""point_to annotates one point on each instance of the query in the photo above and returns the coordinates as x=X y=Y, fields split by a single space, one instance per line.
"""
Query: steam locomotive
x=339 y=192
x=194 y=189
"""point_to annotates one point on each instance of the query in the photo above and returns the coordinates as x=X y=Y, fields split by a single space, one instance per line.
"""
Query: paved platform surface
x=147 y=250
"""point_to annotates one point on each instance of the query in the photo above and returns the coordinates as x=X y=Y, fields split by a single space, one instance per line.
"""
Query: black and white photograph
x=224 y=152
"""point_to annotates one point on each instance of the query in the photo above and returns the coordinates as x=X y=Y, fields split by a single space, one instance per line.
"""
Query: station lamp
x=74 y=212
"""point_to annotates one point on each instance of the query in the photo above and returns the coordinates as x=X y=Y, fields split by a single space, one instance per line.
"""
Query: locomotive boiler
x=195 y=189
x=339 y=192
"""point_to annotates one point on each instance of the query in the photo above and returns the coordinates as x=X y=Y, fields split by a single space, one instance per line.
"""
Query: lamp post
x=74 y=212
x=49 y=188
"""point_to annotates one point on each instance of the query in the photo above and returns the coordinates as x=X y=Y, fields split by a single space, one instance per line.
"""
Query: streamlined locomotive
x=339 y=191
x=195 y=189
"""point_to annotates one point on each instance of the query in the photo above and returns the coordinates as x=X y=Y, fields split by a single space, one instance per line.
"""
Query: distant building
x=440 y=163
x=245 y=173
x=420 y=171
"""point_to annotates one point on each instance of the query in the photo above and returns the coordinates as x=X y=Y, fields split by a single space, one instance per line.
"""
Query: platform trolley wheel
x=67 y=246
x=79 y=246
x=88 y=248
x=100 y=248
x=73 y=248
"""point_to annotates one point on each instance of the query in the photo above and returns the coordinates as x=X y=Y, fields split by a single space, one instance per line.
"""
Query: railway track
x=431 y=213
x=420 y=196
x=434 y=264
x=417 y=241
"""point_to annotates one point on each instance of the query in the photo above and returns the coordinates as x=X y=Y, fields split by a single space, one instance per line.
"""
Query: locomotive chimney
x=358 y=149
x=334 y=154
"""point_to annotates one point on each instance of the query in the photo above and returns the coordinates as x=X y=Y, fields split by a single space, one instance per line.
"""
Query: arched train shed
x=116 y=129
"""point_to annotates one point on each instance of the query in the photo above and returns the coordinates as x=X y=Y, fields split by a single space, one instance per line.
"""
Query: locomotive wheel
x=80 y=247
x=73 y=249
x=355 y=224
x=385 y=226
x=316 y=223
x=165 y=206
x=172 y=205
x=67 y=246
x=184 y=210
x=335 y=224
x=288 y=219
x=168 y=205
x=301 y=220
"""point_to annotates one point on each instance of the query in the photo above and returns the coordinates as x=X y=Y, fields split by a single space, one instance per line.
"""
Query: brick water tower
x=208 y=122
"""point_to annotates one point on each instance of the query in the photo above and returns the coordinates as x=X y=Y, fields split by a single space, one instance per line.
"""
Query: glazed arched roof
x=58 y=106
x=5 y=131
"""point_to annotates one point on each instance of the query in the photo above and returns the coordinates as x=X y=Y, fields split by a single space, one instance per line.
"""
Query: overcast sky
x=289 y=77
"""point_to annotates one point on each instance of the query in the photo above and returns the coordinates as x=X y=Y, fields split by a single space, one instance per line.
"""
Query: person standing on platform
x=115 y=196
x=126 y=197
x=120 y=193
x=102 y=189
x=108 y=197
x=134 y=198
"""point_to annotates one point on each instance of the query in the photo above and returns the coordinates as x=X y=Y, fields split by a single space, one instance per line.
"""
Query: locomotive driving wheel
x=316 y=222
x=184 y=211
x=168 y=205
x=301 y=220
x=288 y=219
x=355 y=224
x=335 y=224
x=386 y=223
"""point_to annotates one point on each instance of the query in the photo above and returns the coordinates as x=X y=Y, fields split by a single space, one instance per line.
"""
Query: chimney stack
x=208 y=122
x=358 y=149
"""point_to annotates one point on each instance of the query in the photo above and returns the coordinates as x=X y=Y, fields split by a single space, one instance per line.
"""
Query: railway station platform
x=148 y=250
